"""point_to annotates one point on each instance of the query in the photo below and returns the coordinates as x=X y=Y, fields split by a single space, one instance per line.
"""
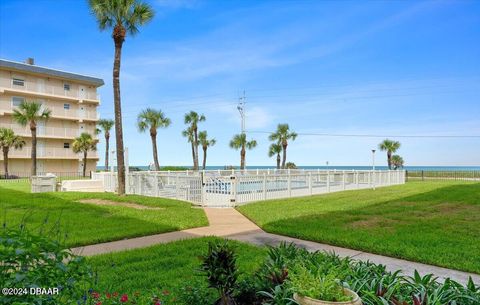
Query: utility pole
x=241 y=109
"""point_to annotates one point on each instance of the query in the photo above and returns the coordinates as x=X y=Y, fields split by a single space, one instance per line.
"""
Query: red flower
x=98 y=303
x=124 y=298
x=115 y=294
x=157 y=303
x=95 y=295
x=108 y=295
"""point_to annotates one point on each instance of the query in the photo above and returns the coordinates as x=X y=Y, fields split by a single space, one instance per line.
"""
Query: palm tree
x=8 y=139
x=188 y=133
x=29 y=113
x=123 y=16
x=390 y=147
x=105 y=126
x=152 y=119
x=282 y=136
x=206 y=143
x=83 y=144
x=239 y=141
x=192 y=118
x=397 y=162
x=275 y=149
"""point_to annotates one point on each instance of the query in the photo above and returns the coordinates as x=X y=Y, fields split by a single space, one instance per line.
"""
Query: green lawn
x=432 y=222
x=89 y=224
x=165 y=267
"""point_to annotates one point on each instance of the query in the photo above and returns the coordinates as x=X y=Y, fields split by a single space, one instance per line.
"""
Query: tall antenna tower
x=241 y=109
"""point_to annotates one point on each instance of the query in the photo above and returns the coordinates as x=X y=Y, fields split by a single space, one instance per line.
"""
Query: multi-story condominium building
x=73 y=101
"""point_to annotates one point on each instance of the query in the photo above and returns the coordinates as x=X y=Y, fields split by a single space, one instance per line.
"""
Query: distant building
x=73 y=101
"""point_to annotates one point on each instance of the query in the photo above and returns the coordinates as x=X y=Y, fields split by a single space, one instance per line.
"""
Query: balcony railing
x=60 y=111
x=51 y=90
x=59 y=132
x=48 y=152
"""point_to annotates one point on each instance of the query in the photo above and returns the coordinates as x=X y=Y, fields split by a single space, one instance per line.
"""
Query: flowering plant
x=116 y=298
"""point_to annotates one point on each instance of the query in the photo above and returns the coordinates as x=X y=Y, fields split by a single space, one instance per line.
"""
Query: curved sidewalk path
x=229 y=223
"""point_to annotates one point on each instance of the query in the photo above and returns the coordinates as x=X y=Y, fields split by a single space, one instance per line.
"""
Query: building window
x=18 y=82
x=66 y=106
x=66 y=145
x=66 y=87
x=16 y=101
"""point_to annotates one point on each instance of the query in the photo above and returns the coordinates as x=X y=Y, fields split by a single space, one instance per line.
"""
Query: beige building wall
x=73 y=103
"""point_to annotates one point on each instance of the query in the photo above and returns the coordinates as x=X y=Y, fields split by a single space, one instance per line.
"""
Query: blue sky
x=341 y=67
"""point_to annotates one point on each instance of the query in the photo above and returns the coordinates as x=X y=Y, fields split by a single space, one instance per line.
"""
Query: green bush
x=325 y=287
x=219 y=266
x=30 y=262
x=288 y=268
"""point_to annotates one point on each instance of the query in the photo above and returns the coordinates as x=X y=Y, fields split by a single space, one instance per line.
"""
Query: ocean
x=343 y=167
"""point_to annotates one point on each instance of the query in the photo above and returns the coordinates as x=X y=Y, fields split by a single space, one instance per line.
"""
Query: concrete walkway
x=229 y=223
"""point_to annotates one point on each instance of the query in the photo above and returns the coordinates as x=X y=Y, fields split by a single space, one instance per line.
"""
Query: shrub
x=219 y=265
x=30 y=261
x=291 y=165
x=325 y=287
x=372 y=282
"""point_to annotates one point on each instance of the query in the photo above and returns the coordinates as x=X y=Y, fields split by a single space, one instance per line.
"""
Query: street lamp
x=327 y=164
x=373 y=167
x=373 y=159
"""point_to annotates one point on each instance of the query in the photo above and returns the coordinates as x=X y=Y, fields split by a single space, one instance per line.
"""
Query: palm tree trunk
x=284 y=155
x=389 y=159
x=195 y=162
x=107 y=148
x=155 y=153
x=193 y=154
x=242 y=158
x=278 y=161
x=33 y=130
x=5 y=161
x=204 y=157
x=84 y=163
x=118 y=39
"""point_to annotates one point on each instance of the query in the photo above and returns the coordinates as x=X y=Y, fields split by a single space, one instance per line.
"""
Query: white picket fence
x=233 y=188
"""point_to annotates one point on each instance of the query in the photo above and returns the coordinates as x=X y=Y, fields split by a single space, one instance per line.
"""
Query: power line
x=373 y=135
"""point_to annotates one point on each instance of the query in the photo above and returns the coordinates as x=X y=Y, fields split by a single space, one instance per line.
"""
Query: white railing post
x=289 y=184
x=310 y=183
x=139 y=184
x=355 y=173
x=389 y=177
x=177 y=189
x=264 y=186
x=328 y=181
x=234 y=190
x=373 y=179
x=343 y=180
x=127 y=169
x=155 y=187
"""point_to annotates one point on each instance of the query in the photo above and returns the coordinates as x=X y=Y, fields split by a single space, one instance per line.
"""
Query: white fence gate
x=233 y=188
